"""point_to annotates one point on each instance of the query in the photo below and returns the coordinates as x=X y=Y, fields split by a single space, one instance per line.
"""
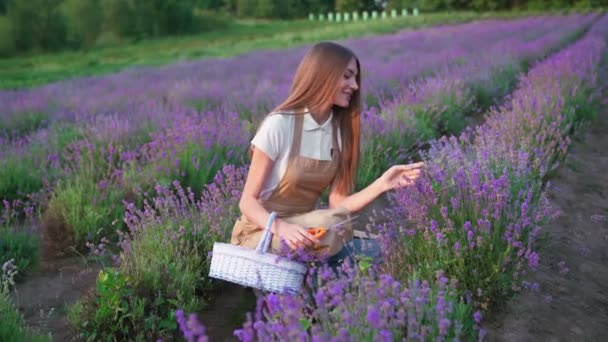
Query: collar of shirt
x=309 y=123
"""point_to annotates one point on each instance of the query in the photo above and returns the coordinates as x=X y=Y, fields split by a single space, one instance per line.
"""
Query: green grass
x=21 y=246
x=12 y=324
x=236 y=38
x=86 y=210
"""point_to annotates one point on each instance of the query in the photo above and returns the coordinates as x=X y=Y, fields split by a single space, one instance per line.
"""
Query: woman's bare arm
x=395 y=177
x=356 y=201
x=260 y=168
x=250 y=206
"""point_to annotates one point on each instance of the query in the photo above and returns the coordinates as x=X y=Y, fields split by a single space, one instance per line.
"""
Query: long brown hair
x=314 y=86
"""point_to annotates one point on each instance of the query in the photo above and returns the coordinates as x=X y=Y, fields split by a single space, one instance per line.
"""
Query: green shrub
x=389 y=146
x=87 y=211
x=205 y=21
x=19 y=124
x=112 y=313
x=116 y=17
x=139 y=19
x=348 y=5
x=83 y=20
x=12 y=325
x=163 y=260
x=198 y=166
x=62 y=135
x=19 y=176
x=161 y=272
x=37 y=24
x=7 y=38
x=503 y=79
x=245 y=7
x=21 y=246
x=22 y=171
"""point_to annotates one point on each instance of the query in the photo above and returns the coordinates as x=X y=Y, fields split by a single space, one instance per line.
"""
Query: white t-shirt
x=275 y=138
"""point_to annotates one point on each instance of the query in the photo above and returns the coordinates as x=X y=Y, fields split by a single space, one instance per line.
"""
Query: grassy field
x=234 y=38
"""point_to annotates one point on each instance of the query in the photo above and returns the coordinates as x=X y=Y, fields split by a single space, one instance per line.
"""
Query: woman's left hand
x=399 y=176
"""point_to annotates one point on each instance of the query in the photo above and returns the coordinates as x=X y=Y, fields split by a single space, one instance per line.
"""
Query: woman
x=308 y=143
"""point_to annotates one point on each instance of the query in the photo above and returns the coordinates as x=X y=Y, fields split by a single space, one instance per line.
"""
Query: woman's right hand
x=294 y=235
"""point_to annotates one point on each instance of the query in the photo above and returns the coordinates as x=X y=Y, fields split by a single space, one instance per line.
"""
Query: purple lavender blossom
x=191 y=328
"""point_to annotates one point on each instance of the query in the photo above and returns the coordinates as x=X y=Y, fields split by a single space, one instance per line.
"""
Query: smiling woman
x=309 y=143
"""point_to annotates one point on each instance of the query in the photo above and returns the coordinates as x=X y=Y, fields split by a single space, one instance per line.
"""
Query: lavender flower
x=192 y=329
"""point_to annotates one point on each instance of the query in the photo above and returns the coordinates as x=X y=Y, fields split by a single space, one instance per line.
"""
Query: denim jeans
x=355 y=249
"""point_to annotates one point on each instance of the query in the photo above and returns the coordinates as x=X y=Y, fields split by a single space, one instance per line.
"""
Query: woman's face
x=347 y=85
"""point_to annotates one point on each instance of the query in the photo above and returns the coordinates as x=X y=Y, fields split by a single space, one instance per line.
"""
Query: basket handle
x=267 y=236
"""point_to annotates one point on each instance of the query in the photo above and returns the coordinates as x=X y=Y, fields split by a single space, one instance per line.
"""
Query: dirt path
x=43 y=296
x=571 y=303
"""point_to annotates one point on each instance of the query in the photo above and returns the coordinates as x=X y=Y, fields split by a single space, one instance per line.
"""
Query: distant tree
x=177 y=16
x=37 y=24
x=348 y=5
x=7 y=40
x=84 y=20
x=284 y=9
x=396 y=4
x=362 y=5
x=245 y=8
x=320 y=6
x=554 y=4
x=230 y=6
x=211 y=5
x=330 y=4
x=150 y=18
x=266 y=9
x=117 y=18
x=292 y=9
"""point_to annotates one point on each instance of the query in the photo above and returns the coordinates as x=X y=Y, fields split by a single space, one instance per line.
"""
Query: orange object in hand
x=317 y=232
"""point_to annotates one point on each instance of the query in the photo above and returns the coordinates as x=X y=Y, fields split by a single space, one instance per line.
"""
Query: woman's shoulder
x=278 y=120
x=274 y=134
x=276 y=124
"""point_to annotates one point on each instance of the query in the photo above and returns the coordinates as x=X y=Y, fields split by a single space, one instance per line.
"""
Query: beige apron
x=304 y=181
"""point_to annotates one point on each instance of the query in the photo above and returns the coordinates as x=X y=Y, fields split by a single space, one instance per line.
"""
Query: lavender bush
x=440 y=104
x=478 y=210
x=360 y=306
x=163 y=258
x=352 y=305
x=473 y=217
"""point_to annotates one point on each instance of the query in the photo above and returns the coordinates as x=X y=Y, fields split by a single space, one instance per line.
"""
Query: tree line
x=49 y=25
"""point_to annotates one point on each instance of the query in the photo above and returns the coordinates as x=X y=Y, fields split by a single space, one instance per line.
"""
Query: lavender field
x=142 y=171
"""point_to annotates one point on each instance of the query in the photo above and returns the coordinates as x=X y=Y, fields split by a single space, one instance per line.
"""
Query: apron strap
x=297 y=136
x=334 y=143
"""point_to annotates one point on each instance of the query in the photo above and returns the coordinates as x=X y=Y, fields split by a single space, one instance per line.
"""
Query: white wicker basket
x=255 y=267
